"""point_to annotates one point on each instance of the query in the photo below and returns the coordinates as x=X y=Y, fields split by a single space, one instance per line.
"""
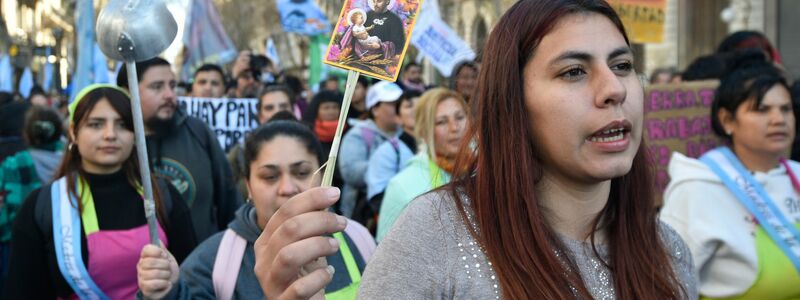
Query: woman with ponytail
x=28 y=170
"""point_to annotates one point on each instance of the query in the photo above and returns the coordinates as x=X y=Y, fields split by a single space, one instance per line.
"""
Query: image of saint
x=379 y=32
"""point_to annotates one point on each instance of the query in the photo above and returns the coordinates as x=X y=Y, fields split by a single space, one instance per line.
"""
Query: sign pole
x=330 y=166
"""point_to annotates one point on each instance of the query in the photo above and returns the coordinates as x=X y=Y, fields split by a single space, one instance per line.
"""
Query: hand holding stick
x=330 y=165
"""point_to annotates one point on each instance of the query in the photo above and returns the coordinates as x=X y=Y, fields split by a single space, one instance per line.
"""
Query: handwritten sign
x=230 y=119
x=643 y=19
x=678 y=118
x=440 y=44
x=372 y=36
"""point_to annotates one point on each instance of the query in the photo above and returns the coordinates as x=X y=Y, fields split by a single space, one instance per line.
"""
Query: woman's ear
x=71 y=132
x=727 y=120
x=249 y=190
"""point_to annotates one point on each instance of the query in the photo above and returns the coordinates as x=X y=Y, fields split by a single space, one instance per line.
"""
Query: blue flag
x=100 y=66
x=205 y=39
x=85 y=35
x=6 y=74
x=25 y=83
x=303 y=17
x=117 y=68
x=47 y=82
x=271 y=52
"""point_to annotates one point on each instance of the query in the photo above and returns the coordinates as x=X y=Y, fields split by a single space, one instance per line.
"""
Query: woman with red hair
x=555 y=200
x=746 y=39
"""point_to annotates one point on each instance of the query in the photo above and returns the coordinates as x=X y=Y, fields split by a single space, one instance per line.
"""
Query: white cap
x=383 y=91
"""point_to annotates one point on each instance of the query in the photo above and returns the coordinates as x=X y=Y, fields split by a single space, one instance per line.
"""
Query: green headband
x=82 y=94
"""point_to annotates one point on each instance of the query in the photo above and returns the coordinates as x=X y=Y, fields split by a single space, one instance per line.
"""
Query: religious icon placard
x=372 y=36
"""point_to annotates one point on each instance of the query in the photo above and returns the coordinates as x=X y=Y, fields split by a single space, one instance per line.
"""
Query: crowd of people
x=207 y=200
x=525 y=176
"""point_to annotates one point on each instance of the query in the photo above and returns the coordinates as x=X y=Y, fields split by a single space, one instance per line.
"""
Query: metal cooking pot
x=135 y=30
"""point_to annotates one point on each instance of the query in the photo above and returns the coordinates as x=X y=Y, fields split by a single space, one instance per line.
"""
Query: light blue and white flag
x=100 y=71
x=431 y=8
x=271 y=52
x=303 y=17
x=25 y=83
x=6 y=74
x=205 y=39
x=84 y=25
x=115 y=73
x=47 y=81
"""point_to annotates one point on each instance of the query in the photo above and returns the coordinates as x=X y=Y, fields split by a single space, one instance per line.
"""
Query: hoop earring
x=70 y=146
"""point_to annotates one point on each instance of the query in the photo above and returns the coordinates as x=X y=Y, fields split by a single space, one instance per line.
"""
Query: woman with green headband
x=81 y=236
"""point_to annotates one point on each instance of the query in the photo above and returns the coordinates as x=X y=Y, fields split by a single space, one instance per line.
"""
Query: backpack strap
x=227 y=264
x=409 y=141
x=368 y=136
x=166 y=197
x=166 y=201
x=43 y=213
x=360 y=236
x=198 y=129
x=396 y=145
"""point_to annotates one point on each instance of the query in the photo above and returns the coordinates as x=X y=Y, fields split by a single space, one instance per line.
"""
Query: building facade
x=695 y=28
x=35 y=32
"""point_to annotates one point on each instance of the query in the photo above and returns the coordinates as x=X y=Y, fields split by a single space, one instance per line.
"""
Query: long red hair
x=500 y=182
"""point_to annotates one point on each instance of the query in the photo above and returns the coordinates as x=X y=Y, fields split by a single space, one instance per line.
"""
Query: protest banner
x=440 y=44
x=229 y=119
x=372 y=36
x=677 y=118
x=643 y=19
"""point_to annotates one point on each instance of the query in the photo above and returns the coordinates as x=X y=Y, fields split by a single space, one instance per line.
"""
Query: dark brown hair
x=272 y=129
x=740 y=86
x=71 y=163
x=500 y=182
x=42 y=126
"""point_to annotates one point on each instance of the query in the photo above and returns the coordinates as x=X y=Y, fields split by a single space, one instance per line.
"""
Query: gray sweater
x=429 y=254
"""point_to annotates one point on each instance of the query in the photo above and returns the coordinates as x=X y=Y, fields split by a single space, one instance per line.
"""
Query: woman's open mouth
x=606 y=136
x=614 y=137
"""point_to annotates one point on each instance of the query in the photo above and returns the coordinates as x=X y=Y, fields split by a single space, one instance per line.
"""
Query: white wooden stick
x=330 y=166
